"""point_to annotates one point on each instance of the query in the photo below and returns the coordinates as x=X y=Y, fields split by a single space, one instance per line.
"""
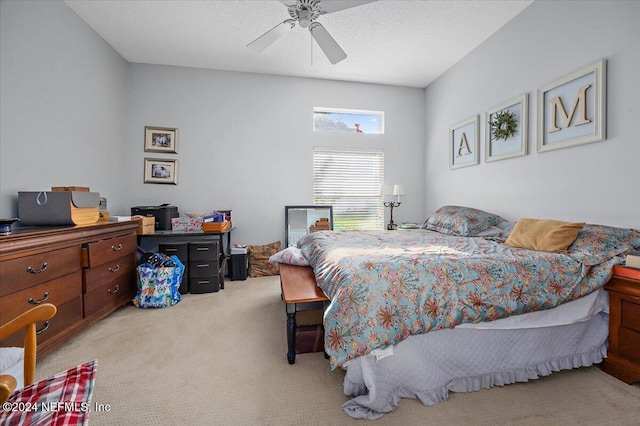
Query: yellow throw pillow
x=544 y=235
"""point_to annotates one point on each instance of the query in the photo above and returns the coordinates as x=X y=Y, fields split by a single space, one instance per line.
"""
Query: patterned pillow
x=596 y=244
x=501 y=236
x=259 y=265
x=462 y=221
x=291 y=255
x=73 y=387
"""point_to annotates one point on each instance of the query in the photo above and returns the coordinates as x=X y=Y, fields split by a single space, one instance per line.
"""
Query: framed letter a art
x=464 y=144
x=572 y=110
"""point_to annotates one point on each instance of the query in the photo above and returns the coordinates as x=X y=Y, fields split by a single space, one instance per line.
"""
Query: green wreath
x=504 y=125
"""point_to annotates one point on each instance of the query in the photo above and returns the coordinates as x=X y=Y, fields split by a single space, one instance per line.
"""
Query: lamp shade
x=386 y=190
x=398 y=190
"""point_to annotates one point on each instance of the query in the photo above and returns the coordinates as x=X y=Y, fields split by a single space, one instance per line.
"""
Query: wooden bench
x=300 y=293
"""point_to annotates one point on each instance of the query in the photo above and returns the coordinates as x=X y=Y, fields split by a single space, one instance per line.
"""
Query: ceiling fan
x=305 y=12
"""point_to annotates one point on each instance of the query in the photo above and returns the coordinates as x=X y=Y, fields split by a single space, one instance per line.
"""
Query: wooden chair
x=27 y=321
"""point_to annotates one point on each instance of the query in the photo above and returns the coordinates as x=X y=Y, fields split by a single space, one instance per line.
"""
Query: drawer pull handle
x=202 y=248
x=37 y=302
x=44 y=328
x=202 y=265
x=170 y=249
x=43 y=268
x=116 y=269
x=114 y=291
x=117 y=248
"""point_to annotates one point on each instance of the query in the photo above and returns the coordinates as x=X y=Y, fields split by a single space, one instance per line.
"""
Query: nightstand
x=623 y=357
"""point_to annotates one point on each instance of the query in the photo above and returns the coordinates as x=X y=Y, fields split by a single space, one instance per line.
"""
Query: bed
x=465 y=304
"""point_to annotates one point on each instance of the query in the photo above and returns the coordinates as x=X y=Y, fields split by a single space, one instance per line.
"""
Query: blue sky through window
x=343 y=121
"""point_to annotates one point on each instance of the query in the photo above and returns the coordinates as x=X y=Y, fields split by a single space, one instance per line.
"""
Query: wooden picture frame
x=161 y=170
x=514 y=145
x=464 y=143
x=301 y=220
x=161 y=139
x=572 y=109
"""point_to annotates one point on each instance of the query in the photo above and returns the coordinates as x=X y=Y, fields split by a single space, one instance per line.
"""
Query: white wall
x=548 y=40
x=63 y=114
x=246 y=141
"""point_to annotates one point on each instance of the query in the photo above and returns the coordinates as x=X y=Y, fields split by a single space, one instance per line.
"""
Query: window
x=348 y=121
x=350 y=181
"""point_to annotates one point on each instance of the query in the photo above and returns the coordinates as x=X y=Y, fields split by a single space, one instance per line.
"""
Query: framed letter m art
x=464 y=144
x=572 y=109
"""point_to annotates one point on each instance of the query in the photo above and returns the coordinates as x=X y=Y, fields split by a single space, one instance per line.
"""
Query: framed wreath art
x=506 y=129
x=503 y=125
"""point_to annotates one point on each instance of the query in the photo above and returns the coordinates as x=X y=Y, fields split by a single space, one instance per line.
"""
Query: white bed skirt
x=431 y=365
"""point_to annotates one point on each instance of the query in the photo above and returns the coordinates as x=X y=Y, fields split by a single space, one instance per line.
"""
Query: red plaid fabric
x=63 y=399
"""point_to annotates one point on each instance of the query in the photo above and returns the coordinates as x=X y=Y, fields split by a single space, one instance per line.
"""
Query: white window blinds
x=350 y=181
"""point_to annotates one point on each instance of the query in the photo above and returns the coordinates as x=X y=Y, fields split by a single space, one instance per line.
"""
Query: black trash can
x=238 y=267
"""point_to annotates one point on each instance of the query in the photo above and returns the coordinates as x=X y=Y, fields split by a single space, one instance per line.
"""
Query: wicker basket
x=216 y=226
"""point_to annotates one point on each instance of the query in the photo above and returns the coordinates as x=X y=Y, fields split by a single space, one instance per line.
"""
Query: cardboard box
x=146 y=224
x=58 y=208
x=104 y=216
x=70 y=188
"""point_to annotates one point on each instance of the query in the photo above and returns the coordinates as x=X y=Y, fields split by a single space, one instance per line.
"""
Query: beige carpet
x=220 y=359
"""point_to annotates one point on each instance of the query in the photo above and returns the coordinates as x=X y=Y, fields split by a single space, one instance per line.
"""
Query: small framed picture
x=160 y=170
x=572 y=109
x=464 y=143
x=161 y=139
x=506 y=129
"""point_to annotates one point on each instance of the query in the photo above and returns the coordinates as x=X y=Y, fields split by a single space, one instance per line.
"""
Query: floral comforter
x=385 y=286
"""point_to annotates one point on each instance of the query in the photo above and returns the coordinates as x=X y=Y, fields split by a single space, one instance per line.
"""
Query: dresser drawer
x=178 y=249
x=68 y=314
x=109 y=250
x=19 y=274
x=203 y=268
x=108 y=296
x=629 y=344
x=57 y=291
x=203 y=251
x=630 y=314
x=122 y=269
x=204 y=285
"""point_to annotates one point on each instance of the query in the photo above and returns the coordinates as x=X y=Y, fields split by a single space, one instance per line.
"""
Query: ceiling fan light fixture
x=305 y=12
x=304 y=17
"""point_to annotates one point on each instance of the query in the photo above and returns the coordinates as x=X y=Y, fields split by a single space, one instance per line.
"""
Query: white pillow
x=291 y=255
x=10 y=357
x=11 y=363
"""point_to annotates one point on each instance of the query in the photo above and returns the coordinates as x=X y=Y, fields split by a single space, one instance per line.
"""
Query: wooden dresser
x=86 y=271
x=623 y=355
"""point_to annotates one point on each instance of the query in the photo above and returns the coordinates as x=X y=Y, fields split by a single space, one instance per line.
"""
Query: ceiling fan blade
x=330 y=6
x=266 y=39
x=328 y=45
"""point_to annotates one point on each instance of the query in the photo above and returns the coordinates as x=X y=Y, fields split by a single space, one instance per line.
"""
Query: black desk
x=150 y=242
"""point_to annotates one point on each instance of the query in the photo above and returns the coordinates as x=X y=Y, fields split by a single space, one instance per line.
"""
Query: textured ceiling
x=405 y=43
